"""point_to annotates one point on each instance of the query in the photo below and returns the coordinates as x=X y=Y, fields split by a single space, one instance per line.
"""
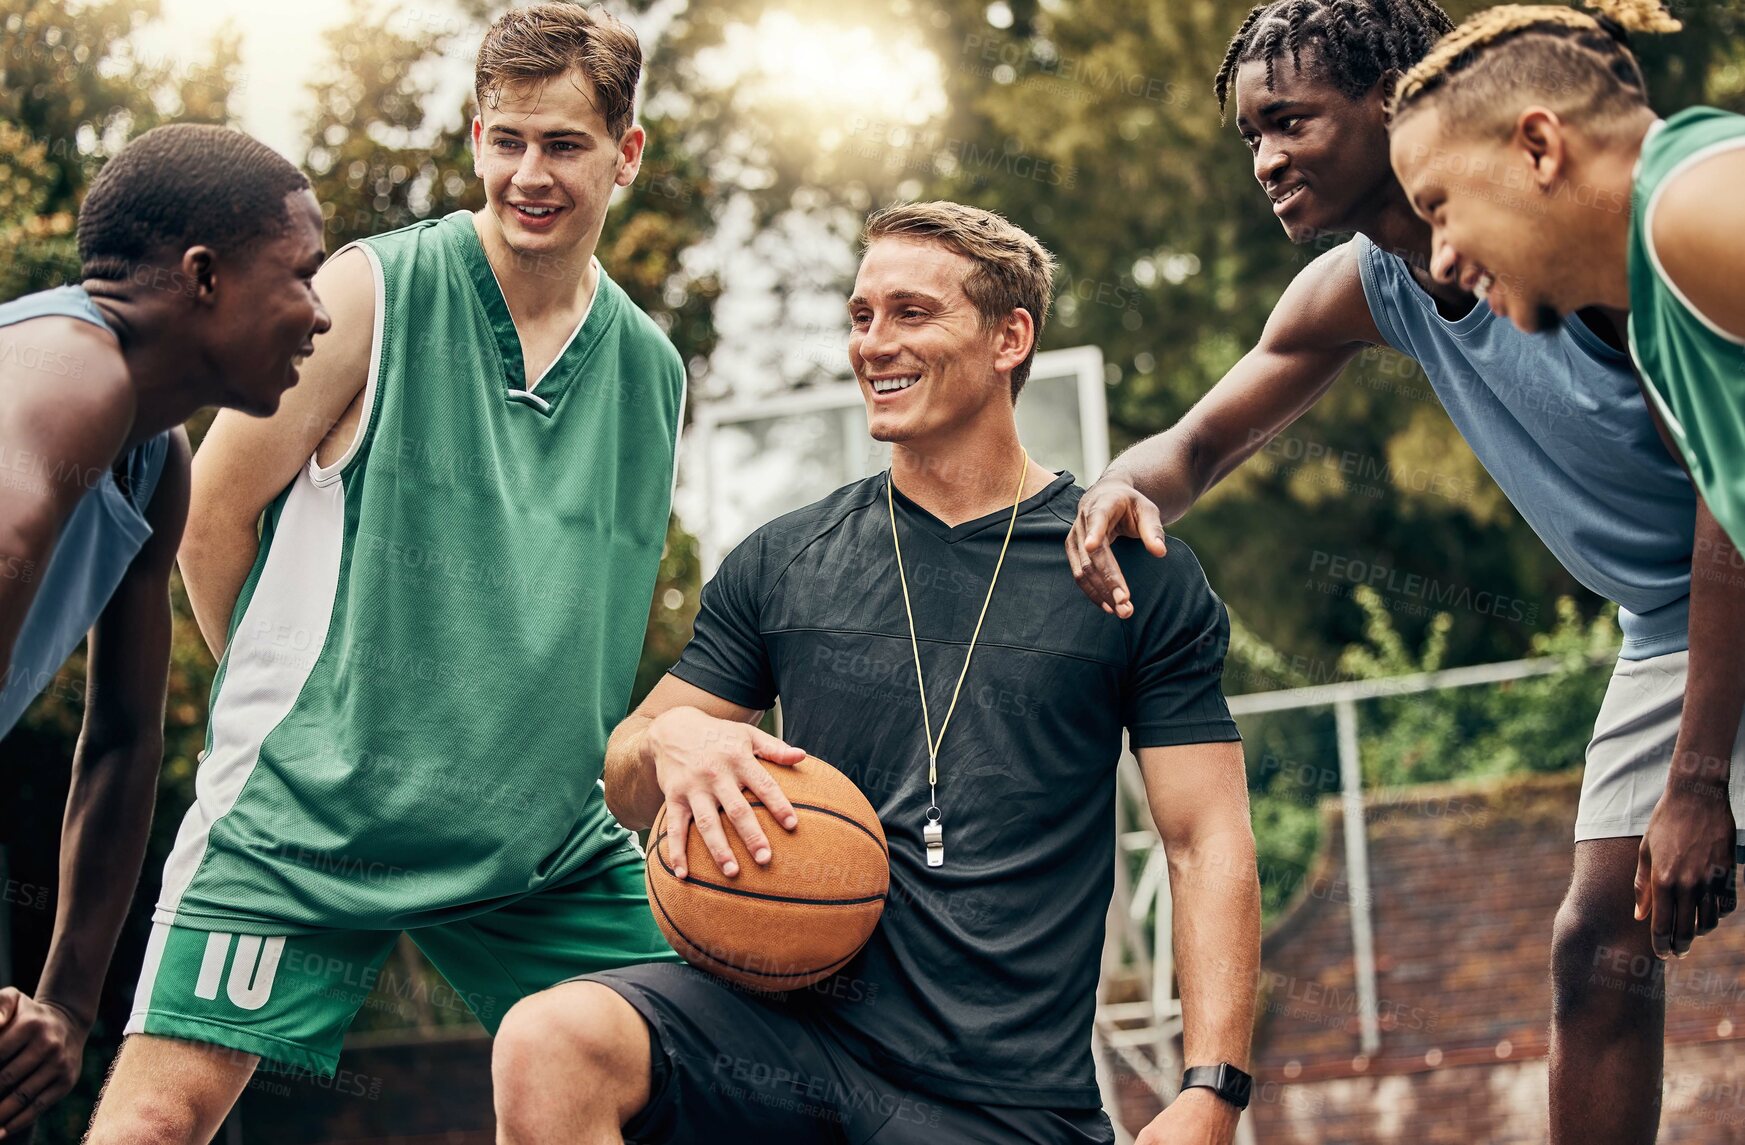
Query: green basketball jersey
x=1694 y=369
x=442 y=626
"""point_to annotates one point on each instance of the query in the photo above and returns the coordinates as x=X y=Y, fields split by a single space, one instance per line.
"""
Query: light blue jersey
x=99 y=540
x=1559 y=422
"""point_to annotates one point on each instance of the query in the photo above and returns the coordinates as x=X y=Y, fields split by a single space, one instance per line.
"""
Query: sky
x=282 y=51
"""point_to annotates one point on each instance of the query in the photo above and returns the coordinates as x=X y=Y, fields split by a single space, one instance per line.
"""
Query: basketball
x=798 y=919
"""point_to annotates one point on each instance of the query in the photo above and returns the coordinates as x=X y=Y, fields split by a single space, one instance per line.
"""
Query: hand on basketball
x=704 y=765
x=1196 y=1117
x=42 y=1048
x=1110 y=508
x=1684 y=871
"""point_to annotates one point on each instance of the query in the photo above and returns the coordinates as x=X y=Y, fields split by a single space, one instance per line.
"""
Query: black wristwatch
x=1223 y=1079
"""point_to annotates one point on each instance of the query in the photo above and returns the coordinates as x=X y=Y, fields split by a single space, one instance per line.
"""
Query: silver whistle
x=933 y=834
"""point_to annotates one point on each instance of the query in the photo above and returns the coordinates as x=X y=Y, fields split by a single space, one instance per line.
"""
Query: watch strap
x=1223 y=1079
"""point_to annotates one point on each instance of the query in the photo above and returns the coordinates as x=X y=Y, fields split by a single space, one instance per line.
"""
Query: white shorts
x=1631 y=752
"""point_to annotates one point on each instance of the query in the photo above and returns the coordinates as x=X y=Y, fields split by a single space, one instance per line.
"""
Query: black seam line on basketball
x=855 y=823
x=695 y=882
x=829 y=968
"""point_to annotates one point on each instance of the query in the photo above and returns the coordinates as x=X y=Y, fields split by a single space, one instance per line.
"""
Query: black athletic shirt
x=980 y=982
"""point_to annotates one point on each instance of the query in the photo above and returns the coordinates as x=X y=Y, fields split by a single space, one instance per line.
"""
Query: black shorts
x=730 y=1065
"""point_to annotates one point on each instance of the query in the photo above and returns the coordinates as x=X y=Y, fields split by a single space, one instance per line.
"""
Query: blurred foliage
x=380 y=157
x=72 y=91
x=1542 y=723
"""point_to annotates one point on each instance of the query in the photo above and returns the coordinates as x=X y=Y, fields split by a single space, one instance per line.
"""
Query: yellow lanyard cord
x=915 y=646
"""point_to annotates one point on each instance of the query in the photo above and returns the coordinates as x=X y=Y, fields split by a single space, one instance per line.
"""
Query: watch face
x=1238 y=1085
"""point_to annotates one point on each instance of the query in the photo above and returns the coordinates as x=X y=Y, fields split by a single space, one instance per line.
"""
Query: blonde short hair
x=1580 y=66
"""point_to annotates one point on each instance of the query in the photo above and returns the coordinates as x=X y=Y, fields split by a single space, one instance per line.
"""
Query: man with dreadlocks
x=1560 y=423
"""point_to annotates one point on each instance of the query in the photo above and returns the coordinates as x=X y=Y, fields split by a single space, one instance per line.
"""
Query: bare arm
x=1684 y=870
x=695 y=753
x=1699 y=234
x=1320 y=323
x=245 y=461
x=1199 y=799
x=65 y=411
x=109 y=810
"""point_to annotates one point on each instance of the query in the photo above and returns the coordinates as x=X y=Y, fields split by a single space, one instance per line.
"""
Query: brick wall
x=1466 y=879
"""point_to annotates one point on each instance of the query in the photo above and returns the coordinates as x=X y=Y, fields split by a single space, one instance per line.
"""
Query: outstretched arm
x=1684 y=870
x=109 y=809
x=1320 y=323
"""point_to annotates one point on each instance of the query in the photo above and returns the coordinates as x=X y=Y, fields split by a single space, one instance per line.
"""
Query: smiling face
x=549 y=164
x=265 y=313
x=928 y=366
x=1321 y=156
x=1494 y=228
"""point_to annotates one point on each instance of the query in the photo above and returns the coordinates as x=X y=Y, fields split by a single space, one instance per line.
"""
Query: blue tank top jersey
x=1561 y=426
x=97 y=543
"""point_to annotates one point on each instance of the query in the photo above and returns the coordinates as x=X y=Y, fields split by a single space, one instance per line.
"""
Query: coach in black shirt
x=968 y=1015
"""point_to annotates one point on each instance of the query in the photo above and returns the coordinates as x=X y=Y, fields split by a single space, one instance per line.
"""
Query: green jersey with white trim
x=1695 y=369
x=442 y=627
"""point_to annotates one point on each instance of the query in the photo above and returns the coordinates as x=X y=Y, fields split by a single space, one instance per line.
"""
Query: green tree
x=72 y=90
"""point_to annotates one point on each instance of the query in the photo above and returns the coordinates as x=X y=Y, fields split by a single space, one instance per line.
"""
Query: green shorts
x=291 y=998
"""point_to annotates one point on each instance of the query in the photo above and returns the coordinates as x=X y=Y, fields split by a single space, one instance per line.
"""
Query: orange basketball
x=800 y=918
